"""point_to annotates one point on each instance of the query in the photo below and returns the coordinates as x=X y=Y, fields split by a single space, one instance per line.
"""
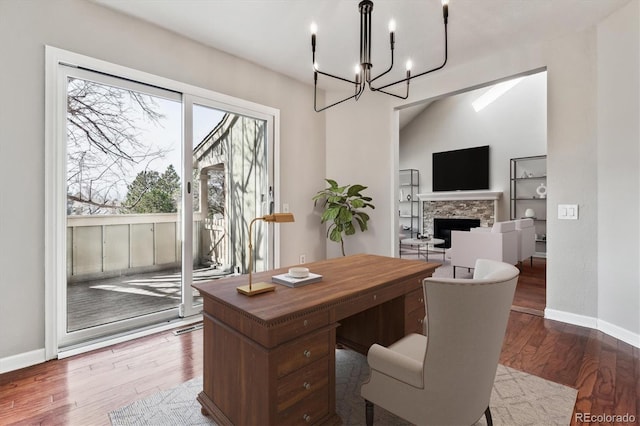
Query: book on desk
x=289 y=281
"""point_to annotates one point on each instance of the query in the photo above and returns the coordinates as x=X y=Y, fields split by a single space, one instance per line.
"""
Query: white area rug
x=518 y=399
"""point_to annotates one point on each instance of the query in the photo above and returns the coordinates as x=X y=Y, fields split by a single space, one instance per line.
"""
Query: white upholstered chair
x=446 y=377
x=499 y=242
x=526 y=232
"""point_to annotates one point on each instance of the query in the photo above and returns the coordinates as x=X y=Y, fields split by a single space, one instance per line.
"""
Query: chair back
x=466 y=324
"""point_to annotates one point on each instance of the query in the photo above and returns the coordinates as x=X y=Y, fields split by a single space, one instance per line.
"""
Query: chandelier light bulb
x=409 y=65
x=445 y=2
x=313 y=28
x=392 y=26
x=315 y=66
x=357 y=69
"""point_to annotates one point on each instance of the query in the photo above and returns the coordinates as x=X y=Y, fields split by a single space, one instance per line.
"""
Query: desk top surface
x=343 y=278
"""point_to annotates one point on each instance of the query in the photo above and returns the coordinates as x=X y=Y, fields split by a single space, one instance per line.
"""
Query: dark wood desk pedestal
x=270 y=359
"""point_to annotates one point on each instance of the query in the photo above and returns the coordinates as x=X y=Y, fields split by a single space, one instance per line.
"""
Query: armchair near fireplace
x=499 y=242
x=526 y=239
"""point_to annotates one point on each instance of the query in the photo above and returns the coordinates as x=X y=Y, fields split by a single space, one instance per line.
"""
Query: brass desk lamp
x=262 y=287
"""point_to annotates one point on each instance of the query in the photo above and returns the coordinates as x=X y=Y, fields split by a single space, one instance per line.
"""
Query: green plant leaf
x=349 y=229
x=336 y=235
x=357 y=203
x=332 y=183
x=355 y=190
x=363 y=216
x=330 y=214
x=345 y=215
x=362 y=223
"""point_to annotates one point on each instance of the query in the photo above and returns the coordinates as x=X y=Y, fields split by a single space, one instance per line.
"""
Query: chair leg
x=487 y=415
x=531 y=260
x=368 y=412
x=454 y=272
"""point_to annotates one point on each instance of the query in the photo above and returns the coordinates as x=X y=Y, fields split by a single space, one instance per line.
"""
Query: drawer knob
x=306 y=385
x=306 y=323
x=420 y=321
x=375 y=296
x=307 y=353
x=420 y=299
x=307 y=418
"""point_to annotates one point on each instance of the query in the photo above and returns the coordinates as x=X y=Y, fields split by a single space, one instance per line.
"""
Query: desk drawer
x=307 y=411
x=302 y=352
x=414 y=321
x=414 y=300
x=302 y=383
x=369 y=300
x=300 y=326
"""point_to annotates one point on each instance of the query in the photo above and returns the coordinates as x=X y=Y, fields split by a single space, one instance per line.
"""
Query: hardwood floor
x=82 y=390
x=531 y=293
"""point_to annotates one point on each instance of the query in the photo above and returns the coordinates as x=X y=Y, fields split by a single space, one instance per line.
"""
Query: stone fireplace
x=480 y=205
x=442 y=228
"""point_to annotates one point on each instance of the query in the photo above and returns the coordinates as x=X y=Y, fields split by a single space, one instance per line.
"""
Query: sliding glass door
x=159 y=186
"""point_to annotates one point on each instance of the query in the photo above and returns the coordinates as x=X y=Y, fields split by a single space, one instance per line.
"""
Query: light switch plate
x=568 y=211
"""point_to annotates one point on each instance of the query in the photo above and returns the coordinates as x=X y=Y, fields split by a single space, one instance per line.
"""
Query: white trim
x=22 y=360
x=460 y=195
x=99 y=344
x=55 y=185
x=594 y=323
x=570 y=318
x=275 y=114
x=619 y=333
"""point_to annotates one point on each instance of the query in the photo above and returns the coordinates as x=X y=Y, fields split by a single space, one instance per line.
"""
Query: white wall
x=86 y=28
x=572 y=136
x=619 y=170
x=515 y=125
x=359 y=150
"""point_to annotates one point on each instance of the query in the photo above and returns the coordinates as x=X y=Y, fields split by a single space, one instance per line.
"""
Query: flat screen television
x=461 y=169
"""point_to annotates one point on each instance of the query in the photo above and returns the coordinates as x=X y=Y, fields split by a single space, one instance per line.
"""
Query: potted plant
x=342 y=206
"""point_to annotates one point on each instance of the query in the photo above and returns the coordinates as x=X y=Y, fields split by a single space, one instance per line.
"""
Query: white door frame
x=55 y=172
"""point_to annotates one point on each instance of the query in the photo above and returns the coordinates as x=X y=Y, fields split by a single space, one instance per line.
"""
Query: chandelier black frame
x=363 y=75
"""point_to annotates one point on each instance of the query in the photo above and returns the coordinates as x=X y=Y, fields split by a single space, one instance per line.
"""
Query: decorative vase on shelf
x=529 y=213
x=542 y=190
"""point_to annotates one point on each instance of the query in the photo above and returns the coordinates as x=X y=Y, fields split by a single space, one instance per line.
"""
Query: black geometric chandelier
x=362 y=71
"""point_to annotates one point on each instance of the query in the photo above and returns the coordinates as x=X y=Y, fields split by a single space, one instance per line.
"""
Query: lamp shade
x=529 y=213
x=279 y=217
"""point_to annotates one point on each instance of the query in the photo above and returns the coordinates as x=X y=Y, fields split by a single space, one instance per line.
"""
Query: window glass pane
x=123 y=200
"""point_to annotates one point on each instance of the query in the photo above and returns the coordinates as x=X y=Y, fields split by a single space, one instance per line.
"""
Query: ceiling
x=275 y=33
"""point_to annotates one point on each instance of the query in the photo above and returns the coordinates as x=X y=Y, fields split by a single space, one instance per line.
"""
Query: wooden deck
x=96 y=302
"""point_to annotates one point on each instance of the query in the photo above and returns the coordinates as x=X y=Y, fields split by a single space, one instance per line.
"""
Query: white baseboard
x=26 y=359
x=619 y=333
x=568 y=317
x=597 y=324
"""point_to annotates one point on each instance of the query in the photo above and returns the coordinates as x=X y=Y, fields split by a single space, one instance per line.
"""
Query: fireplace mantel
x=460 y=195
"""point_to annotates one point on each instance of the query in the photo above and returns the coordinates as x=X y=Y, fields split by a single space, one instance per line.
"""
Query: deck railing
x=101 y=246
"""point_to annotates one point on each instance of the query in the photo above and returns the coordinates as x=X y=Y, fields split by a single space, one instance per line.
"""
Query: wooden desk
x=270 y=358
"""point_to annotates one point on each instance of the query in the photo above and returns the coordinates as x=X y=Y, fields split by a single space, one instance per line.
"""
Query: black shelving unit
x=409 y=205
x=528 y=191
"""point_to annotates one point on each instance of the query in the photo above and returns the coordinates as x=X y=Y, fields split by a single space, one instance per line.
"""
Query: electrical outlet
x=285 y=208
x=303 y=258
